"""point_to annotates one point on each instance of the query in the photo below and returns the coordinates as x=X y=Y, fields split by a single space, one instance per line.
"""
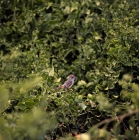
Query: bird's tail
x=59 y=87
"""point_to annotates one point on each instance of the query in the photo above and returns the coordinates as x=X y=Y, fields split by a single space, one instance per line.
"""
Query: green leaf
x=21 y=105
x=83 y=106
x=81 y=83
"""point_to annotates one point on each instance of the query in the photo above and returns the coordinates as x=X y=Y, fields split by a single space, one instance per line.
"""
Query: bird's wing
x=68 y=84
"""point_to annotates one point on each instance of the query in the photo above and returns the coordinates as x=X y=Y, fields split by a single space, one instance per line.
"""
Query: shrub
x=43 y=42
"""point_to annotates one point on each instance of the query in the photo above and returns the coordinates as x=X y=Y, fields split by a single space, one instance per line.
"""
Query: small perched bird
x=67 y=84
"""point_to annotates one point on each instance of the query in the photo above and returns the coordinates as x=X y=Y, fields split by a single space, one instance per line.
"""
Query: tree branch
x=120 y=118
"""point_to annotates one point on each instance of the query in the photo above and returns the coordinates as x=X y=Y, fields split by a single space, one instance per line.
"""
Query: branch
x=120 y=118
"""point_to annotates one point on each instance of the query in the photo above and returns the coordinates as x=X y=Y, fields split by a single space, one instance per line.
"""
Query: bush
x=42 y=43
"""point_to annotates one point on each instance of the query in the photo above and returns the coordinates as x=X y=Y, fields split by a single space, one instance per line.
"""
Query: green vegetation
x=42 y=42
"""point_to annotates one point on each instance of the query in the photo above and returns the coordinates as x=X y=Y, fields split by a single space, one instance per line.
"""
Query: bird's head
x=72 y=76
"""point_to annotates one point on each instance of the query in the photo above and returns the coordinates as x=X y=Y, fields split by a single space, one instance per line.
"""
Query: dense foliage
x=42 y=42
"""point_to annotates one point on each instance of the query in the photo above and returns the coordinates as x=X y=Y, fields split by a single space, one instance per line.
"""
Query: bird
x=67 y=84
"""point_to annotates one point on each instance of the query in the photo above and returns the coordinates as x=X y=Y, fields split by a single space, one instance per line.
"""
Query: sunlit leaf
x=82 y=105
x=81 y=83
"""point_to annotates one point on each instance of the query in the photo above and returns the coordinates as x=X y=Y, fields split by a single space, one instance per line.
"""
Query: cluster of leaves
x=43 y=41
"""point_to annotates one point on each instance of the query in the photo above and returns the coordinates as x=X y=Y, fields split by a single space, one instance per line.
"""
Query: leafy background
x=41 y=43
